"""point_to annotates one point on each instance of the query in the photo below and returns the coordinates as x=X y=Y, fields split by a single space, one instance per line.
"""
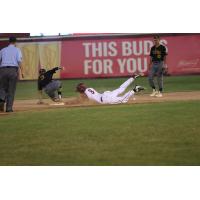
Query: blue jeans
x=156 y=70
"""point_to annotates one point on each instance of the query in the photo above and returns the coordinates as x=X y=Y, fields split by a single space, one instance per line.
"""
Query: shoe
x=138 y=88
x=59 y=96
x=9 y=111
x=57 y=100
x=159 y=94
x=154 y=93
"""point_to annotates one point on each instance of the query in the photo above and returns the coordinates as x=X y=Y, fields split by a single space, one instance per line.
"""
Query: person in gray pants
x=53 y=88
x=157 y=66
x=10 y=64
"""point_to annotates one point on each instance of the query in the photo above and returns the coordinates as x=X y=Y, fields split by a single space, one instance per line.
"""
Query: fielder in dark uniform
x=157 y=66
x=51 y=87
x=10 y=64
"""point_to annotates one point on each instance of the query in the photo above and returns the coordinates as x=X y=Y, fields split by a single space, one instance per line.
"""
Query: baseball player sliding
x=110 y=97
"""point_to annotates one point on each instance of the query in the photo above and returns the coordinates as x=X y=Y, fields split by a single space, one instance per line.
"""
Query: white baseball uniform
x=111 y=97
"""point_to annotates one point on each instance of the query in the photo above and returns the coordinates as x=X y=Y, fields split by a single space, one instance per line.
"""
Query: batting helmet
x=81 y=88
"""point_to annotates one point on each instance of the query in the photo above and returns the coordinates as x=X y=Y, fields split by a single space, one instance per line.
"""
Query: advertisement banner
x=125 y=56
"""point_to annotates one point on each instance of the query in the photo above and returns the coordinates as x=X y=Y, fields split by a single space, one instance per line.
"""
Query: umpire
x=10 y=62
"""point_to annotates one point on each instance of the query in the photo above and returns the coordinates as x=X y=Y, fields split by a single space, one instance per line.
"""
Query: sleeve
x=54 y=69
x=164 y=51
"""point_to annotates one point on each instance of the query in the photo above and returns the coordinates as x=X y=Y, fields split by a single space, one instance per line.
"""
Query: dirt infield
x=31 y=105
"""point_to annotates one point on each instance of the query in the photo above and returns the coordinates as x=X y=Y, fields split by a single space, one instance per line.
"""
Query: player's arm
x=150 y=63
x=19 y=60
x=165 y=58
x=55 y=69
x=21 y=69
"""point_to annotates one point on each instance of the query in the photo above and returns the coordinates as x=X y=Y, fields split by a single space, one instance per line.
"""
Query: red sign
x=123 y=57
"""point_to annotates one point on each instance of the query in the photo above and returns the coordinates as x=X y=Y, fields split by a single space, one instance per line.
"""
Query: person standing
x=10 y=64
x=157 y=66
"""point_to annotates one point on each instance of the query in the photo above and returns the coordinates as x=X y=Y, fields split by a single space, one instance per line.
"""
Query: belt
x=9 y=67
x=101 y=99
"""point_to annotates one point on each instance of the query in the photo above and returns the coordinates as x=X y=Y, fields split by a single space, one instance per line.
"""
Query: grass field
x=136 y=134
x=28 y=90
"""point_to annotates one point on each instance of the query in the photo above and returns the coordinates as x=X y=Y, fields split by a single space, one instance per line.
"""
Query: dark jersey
x=46 y=78
x=158 y=53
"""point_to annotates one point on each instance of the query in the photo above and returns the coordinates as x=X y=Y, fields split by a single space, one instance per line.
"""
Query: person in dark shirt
x=157 y=66
x=51 y=87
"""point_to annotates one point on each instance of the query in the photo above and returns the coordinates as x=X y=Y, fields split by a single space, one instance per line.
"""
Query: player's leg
x=151 y=75
x=53 y=90
x=3 y=83
x=122 y=99
x=12 y=83
x=60 y=90
x=123 y=87
x=160 y=79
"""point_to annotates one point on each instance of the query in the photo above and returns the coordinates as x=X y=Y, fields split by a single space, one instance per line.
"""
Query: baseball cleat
x=159 y=94
x=57 y=100
x=59 y=96
x=138 y=88
x=154 y=93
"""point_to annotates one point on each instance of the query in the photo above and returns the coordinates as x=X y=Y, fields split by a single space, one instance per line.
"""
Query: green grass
x=140 y=134
x=28 y=90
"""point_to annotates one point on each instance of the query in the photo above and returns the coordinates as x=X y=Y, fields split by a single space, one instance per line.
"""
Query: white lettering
x=107 y=63
x=112 y=47
x=132 y=65
x=147 y=47
x=97 y=50
x=142 y=67
x=87 y=49
x=121 y=65
x=87 y=66
x=126 y=49
x=98 y=66
x=137 y=51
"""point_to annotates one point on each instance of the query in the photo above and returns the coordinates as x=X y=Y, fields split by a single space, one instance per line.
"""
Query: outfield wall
x=108 y=56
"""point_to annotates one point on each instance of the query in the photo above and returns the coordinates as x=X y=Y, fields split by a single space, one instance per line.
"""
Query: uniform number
x=89 y=90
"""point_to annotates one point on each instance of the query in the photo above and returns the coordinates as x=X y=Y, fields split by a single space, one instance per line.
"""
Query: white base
x=57 y=104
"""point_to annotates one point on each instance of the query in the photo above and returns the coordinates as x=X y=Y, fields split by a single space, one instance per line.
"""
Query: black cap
x=12 y=39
